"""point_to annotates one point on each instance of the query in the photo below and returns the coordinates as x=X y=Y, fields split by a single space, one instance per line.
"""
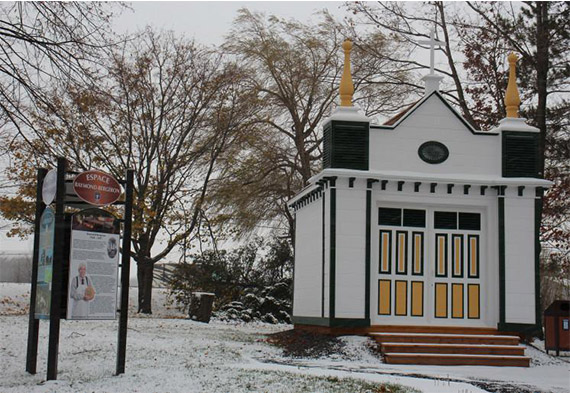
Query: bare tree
x=44 y=41
x=294 y=69
x=167 y=108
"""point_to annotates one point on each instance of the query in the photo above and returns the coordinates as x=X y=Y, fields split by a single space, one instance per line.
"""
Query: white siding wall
x=469 y=154
x=519 y=260
x=350 y=249
x=308 y=261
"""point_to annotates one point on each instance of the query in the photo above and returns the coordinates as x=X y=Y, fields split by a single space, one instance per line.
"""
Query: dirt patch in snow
x=300 y=344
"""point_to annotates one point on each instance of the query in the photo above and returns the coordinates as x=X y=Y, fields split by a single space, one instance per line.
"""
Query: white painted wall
x=350 y=249
x=469 y=154
x=519 y=260
x=308 y=261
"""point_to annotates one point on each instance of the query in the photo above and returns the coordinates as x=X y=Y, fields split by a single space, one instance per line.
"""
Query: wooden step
x=431 y=329
x=445 y=338
x=468 y=349
x=457 y=359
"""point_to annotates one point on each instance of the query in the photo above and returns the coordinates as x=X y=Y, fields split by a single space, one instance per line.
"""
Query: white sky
x=205 y=21
x=209 y=21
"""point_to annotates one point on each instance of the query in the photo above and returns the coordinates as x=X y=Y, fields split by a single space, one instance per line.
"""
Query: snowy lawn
x=167 y=353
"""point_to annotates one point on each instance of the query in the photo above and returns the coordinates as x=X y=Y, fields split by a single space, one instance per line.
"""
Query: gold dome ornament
x=512 y=98
x=346 y=86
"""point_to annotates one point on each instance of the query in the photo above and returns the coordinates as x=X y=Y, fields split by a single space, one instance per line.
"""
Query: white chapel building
x=421 y=221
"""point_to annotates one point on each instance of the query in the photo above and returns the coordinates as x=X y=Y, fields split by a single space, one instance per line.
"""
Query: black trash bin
x=201 y=304
x=556 y=326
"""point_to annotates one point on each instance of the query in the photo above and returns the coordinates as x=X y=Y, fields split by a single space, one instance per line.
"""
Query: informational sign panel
x=45 y=264
x=93 y=266
x=97 y=188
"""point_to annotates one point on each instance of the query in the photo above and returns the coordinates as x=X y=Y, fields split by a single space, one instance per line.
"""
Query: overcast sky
x=209 y=21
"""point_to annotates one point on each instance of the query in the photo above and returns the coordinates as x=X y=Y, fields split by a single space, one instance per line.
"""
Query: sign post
x=34 y=324
x=57 y=272
x=125 y=275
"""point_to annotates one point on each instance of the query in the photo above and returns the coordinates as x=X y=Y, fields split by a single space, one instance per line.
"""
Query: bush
x=252 y=282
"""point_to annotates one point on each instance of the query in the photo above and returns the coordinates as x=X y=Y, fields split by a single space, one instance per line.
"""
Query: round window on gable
x=433 y=152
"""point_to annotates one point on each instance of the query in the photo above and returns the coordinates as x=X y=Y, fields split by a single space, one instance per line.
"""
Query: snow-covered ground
x=168 y=353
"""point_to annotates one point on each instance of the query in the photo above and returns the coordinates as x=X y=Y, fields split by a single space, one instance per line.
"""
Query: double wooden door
x=429 y=267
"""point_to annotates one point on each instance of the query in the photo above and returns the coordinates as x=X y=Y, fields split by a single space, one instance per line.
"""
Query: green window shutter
x=520 y=154
x=346 y=145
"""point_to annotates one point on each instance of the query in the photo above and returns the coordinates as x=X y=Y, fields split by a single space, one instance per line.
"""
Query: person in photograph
x=112 y=248
x=82 y=292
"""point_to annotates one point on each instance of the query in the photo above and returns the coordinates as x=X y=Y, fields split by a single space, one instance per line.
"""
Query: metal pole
x=57 y=275
x=34 y=324
x=125 y=274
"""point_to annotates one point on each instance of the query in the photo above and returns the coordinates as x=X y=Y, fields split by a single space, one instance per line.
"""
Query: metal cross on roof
x=432 y=43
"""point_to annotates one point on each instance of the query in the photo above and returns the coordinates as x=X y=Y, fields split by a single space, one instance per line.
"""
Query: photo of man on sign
x=81 y=292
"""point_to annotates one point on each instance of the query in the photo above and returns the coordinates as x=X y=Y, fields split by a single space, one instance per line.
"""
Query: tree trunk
x=145 y=273
x=542 y=60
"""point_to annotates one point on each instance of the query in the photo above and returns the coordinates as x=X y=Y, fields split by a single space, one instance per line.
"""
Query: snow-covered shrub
x=251 y=283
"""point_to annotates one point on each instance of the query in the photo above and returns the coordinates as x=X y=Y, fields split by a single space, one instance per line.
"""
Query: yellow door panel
x=401 y=297
x=441 y=300
x=384 y=297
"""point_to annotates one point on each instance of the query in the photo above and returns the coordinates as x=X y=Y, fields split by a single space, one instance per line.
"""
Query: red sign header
x=97 y=188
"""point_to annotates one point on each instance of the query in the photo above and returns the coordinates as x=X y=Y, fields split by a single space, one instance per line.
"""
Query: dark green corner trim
x=332 y=259
x=367 y=255
x=334 y=322
x=349 y=322
x=315 y=321
x=527 y=329
x=501 y=261
x=323 y=261
x=537 y=220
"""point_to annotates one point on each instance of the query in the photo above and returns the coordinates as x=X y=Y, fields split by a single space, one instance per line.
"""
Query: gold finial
x=346 y=86
x=512 y=98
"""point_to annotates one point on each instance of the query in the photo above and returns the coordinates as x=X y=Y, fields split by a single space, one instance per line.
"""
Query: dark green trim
x=367 y=254
x=315 y=321
x=334 y=322
x=349 y=322
x=421 y=272
x=527 y=329
x=396 y=298
x=397 y=261
x=462 y=261
x=332 y=246
x=462 y=303
x=323 y=258
x=381 y=245
x=502 y=297
x=537 y=249
x=446 y=258
x=420 y=103
x=469 y=275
